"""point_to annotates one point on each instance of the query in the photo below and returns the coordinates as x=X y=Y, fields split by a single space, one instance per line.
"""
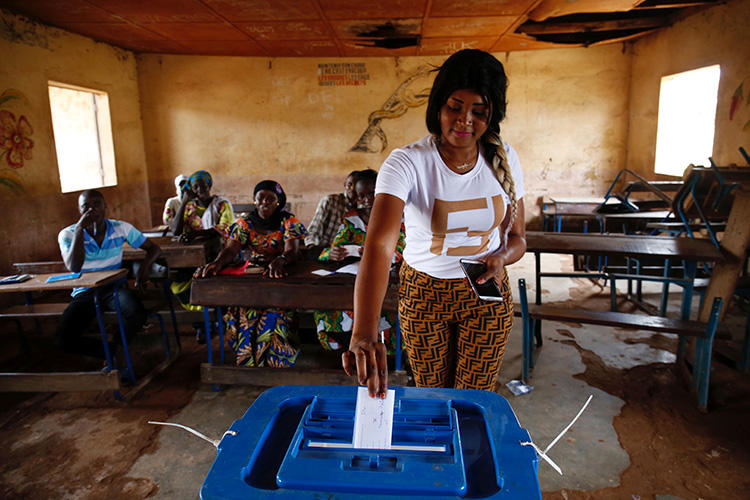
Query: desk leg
x=116 y=298
x=209 y=343
x=639 y=284
x=665 y=288
x=103 y=332
x=207 y=329
x=168 y=295
x=538 y=323
x=105 y=342
x=526 y=344
x=220 y=326
x=629 y=270
x=687 y=301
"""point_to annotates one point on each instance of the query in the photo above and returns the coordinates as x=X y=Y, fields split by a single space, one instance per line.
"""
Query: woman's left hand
x=495 y=264
x=276 y=268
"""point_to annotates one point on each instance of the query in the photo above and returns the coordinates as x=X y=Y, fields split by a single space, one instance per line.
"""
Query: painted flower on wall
x=15 y=138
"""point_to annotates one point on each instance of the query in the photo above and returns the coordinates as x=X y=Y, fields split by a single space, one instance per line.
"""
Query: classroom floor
x=641 y=437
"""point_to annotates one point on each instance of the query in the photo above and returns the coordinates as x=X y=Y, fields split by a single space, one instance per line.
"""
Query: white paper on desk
x=321 y=272
x=352 y=250
x=349 y=268
x=373 y=420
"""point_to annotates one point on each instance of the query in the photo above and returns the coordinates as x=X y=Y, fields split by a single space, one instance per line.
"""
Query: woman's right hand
x=369 y=358
x=209 y=269
x=337 y=253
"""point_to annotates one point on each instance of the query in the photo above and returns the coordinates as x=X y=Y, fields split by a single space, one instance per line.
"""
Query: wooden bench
x=75 y=381
x=672 y=227
x=703 y=333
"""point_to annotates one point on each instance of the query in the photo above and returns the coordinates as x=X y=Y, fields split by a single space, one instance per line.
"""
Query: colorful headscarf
x=273 y=222
x=201 y=175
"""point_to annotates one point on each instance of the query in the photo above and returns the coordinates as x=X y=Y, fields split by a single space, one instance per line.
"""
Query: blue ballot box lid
x=296 y=442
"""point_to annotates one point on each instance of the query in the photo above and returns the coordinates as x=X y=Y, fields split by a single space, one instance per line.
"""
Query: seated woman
x=173 y=204
x=200 y=214
x=335 y=327
x=274 y=237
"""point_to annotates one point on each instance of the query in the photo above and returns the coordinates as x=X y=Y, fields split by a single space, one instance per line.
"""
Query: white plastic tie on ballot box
x=543 y=454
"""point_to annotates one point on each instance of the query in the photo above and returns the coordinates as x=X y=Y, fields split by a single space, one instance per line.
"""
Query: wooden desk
x=299 y=290
x=621 y=245
x=580 y=208
x=643 y=187
x=690 y=250
x=88 y=280
x=175 y=253
x=50 y=266
x=640 y=219
x=64 y=381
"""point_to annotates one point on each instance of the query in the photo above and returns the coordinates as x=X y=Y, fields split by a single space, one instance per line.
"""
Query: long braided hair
x=484 y=74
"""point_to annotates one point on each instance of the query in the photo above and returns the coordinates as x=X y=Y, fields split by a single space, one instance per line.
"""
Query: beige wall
x=576 y=117
x=32 y=54
x=719 y=35
x=247 y=119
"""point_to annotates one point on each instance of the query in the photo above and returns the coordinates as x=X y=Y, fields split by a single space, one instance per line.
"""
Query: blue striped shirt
x=109 y=254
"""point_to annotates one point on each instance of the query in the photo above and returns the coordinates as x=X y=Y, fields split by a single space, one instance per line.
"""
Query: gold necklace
x=462 y=166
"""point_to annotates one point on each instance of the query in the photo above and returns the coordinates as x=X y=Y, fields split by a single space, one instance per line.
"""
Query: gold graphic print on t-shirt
x=439 y=225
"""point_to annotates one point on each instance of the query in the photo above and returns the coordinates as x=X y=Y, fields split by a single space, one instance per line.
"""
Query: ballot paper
x=352 y=250
x=349 y=268
x=373 y=420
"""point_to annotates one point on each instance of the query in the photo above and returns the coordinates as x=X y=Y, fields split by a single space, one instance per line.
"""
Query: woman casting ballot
x=460 y=191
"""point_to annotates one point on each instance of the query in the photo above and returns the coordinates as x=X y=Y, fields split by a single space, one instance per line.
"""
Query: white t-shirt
x=448 y=216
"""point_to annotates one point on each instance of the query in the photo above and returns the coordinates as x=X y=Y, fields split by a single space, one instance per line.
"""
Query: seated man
x=331 y=209
x=95 y=243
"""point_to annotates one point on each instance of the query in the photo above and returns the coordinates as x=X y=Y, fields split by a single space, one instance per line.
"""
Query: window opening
x=686 y=120
x=83 y=137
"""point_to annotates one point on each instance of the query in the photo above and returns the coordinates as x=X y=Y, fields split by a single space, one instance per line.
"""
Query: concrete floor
x=590 y=455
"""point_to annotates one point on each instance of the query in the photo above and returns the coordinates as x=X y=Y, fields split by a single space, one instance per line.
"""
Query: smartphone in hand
x=488 y=290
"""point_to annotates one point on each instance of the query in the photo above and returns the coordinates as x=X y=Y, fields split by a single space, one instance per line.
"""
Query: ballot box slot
x=425 y=455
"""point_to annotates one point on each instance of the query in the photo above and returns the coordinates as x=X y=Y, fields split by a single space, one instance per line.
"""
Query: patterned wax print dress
x=181 y=283
x=335 y=327
x=268 y=329
x=194 y=212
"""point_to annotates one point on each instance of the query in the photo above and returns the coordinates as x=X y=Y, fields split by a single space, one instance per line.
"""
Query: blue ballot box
x=296 y=442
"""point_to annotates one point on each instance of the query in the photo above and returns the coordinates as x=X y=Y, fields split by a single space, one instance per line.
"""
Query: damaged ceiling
x=351 y=28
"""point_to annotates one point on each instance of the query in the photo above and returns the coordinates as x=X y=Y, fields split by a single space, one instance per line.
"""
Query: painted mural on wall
x=15 y=138
x=740 y=102
x=373 y=139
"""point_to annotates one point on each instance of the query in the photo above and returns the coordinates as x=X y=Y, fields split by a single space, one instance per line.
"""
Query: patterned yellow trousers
x=453 y=338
